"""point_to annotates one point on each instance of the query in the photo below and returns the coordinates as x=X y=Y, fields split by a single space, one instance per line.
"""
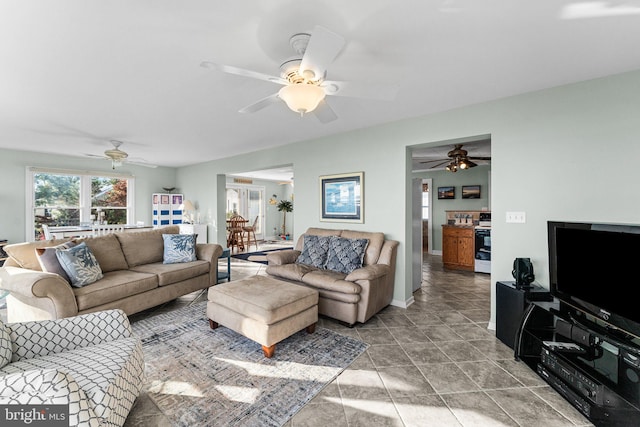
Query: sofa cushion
x=80 y=264
x=289 y=271
x=144 y=247
x=314 y=251
x=345 y=255
x=49 y=262
x=25 y=255
x=114 y=286
x=376 y=241
x=173 y=273
x=5 y=345
x=179 y=248
x=331 y=281
x=107 y=251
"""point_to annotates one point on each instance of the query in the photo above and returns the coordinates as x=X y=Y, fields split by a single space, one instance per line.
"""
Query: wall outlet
x=516 y=217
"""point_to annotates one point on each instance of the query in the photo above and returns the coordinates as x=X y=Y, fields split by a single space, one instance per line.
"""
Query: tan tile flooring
x=433 y=364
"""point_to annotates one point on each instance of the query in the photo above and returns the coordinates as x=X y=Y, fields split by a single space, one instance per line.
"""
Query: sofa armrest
x=47 y=291
x=42 y=337
x=288 y=256
x=210 y=252
x=48 y=387
x=369 y=272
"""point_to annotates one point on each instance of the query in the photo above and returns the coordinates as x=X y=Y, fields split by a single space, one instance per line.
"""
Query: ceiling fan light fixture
x=302 y=98
x=452 y=167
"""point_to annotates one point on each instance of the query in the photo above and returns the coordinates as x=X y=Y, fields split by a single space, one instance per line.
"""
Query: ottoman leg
x=311 y=328
x=269 y=351
x=212 y=324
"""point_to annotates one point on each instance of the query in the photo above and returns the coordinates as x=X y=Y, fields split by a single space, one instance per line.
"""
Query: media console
x=589 y=365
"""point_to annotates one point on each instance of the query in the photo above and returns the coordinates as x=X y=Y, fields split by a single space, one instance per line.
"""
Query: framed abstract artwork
x=342 y=197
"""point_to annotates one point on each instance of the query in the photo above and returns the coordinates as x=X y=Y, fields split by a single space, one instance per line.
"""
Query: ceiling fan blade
x=95 y=156
x=479 y=158
x=140 y=163
x=242 y=72
x=259 y=105
x=324 y=46
x=360 y=90
x=440 y=164
x=324 y=112
x=437 y=160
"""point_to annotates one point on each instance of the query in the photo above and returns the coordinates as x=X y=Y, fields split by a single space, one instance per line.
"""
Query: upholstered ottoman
x=263 y=309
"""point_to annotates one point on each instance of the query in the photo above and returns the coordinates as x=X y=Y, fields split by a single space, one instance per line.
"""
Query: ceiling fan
x=303 y=77
x=118 y=157
x=457 y=158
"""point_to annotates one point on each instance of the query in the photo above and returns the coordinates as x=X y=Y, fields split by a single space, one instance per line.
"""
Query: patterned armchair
x=93 y=362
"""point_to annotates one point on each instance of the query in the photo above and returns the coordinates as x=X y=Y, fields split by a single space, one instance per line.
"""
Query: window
x=425 y=201
x=72 y=198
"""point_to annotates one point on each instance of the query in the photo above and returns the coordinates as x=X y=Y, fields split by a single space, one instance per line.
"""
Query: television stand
x=595 y=371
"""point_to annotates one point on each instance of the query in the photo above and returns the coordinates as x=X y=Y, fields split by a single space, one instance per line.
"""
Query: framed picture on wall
x=470 y=191
x=342 y=197
x=446 y=192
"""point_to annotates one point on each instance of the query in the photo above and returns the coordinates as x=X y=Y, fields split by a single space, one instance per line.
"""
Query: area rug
x=198 y=376
x=259 y=256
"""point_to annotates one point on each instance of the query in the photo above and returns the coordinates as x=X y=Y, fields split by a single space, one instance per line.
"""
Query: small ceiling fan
x=303 y=77
x=457 y=158
x=118 y=157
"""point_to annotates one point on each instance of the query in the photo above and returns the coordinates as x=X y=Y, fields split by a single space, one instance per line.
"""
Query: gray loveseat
x=134 y=278
x=353 y=297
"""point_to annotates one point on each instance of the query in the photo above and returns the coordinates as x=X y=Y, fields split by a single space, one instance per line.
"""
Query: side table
x=225 y=275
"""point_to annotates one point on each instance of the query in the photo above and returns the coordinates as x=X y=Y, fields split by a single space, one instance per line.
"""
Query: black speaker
x=523 y=272
x=629 y=376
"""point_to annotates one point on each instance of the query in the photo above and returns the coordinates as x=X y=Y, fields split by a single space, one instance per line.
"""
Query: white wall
x=567 y=153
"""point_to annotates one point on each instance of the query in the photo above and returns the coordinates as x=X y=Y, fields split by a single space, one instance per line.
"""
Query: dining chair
x=47 y=233
x=251 y=229
x=102 y=229
x=236 y=232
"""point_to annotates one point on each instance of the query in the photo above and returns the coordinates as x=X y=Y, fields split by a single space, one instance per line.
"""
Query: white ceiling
x=76 y=73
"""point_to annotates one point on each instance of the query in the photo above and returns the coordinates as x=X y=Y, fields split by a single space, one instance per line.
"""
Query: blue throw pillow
x=314 y=251
x=80 y=265
x=179 y=248
x=345 y=255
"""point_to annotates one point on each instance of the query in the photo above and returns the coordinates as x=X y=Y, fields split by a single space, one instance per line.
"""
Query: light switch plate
x=516 y=217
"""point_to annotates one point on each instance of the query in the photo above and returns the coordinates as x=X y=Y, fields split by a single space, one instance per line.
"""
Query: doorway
x=247 y=201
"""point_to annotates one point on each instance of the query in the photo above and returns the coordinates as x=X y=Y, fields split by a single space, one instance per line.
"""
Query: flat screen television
x=592 y=267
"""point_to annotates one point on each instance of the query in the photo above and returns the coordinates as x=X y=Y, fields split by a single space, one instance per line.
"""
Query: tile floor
x=433 y=364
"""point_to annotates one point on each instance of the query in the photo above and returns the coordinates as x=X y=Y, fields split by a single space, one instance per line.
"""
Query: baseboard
x=491 y=326
x=403 y=304
x=436 y=253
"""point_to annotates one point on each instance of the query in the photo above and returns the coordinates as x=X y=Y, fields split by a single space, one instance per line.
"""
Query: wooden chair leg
x=269 y=351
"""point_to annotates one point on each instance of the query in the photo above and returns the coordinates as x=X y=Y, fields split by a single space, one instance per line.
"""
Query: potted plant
x=285 y=206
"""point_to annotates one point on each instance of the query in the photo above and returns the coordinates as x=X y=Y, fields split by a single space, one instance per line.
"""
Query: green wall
x=565 y=153
x=13 y=166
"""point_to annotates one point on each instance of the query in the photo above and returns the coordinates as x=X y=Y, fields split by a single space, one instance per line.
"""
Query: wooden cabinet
x=458 y=247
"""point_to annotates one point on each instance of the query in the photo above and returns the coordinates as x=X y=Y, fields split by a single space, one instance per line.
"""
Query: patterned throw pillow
x=5 y=345
x=179 y=248
x=314 y=251
x=79 y=264
x=345 y=255
x=49 y=261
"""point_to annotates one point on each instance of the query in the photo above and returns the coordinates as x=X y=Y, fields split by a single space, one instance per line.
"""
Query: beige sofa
x=134 y=277
x=353 y=297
